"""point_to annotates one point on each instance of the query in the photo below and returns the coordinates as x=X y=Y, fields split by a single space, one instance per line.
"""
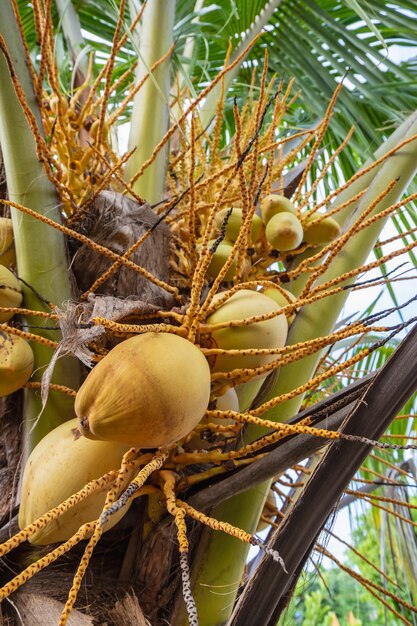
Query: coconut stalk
x=150 y=115
x=312 y=321
x=40 y=249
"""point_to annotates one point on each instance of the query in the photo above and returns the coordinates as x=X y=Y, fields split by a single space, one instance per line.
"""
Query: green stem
x=40 y=249
x=71 y=28
x=150 y=115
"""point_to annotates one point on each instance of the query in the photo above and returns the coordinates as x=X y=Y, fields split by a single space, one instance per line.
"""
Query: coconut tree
x=172 y=240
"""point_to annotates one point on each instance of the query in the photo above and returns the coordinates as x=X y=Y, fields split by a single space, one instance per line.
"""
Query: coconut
x=7 y=251
x=16 y=363
x=265 y=334
x=227 y=402
x=234 y=224
x=283 y=299
x=61 y=464
x=219 y=258
x=284 y=232
x=275 y=203
x=321 y=232
x=10 y=292
x=148 y=391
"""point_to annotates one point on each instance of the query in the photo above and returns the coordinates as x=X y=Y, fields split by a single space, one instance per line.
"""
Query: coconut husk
x=10 y=453
x=128 y=611
x=40 y=610
x=117 y=222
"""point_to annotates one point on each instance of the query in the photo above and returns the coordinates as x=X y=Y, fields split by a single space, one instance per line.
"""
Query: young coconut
x=219 y=258
x=321 y=231
x=265 y=334
x=10 y=292
x=234 y=224
x=283 y=298
x=227 y=402
x=7 y=251
x=61 y=464
x=16 y=363
x=284 y=232
x=149 y=391
x=273 y=204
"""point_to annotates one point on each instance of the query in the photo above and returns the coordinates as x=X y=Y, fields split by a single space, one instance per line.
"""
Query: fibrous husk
x=128 y=611
x=117 y=222
x=40 y=610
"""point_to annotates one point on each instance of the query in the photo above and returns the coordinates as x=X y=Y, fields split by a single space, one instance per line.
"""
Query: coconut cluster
x=286 y=232
x=279 y=228
x=16 y=356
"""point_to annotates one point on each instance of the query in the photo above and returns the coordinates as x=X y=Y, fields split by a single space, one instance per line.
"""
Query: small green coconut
x=283 y=298
x=273 y=204
x=284 y=232
x=10 y=292
x=234 y=224
x=321 y=231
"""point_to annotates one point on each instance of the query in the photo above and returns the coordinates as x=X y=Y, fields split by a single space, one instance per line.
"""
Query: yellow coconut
x=275 y=203
x=265 y=334
x=235 y=222
x=7 y=251
x=284 y=232
x=283 y=298
x=61 y=464
x=227 y=402
x=149 y=391
x=321 y=232
x=10 y=292
x=16 y=363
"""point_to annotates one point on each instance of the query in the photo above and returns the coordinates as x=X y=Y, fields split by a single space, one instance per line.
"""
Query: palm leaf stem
x=149 y=121
x=40 y=250
x=374 y=411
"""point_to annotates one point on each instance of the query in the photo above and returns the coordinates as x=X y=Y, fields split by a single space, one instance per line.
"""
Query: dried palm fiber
x=10 y=452
x=118 y=222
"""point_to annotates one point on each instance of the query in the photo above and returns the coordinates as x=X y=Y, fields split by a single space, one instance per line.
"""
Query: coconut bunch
x=169 y=394
x=16 y=356
x=210 y=354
